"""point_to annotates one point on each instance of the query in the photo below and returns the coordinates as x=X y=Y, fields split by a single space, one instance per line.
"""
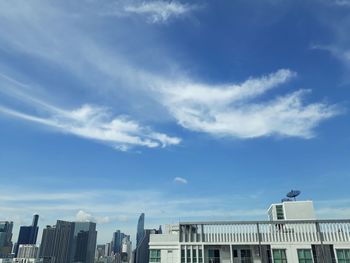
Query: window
x=305 y=256
x=200 y=256
x=154 y=255
x=343 y=255
x=214 y=255
x=246 y=256
x=183 y=258
x=279 y=212
x=279 y=256
x=188 y=255
x=194 y=255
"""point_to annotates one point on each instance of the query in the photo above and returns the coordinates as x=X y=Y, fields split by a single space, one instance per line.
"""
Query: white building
x=126 y=249
x=299 y=238
x=27 y=251
x=292 y=210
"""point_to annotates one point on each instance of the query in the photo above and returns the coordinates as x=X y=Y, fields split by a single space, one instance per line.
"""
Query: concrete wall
x=299 y=210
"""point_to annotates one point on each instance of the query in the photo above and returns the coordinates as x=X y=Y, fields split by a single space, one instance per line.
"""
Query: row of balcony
x=260 y=232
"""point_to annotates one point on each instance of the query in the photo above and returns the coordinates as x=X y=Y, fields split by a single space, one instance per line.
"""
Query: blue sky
x=191 y=110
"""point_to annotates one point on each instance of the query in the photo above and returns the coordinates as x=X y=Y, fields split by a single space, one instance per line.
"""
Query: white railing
x=266 y=232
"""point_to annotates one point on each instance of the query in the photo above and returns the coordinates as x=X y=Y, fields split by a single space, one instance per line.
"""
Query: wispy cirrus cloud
x=88 y=121
x=341 y=53
x=342 y=2
x=159 y=11
x=225 y=110
x=234 y=111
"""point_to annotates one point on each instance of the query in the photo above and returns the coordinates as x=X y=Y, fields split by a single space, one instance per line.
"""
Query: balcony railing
x=266 y=232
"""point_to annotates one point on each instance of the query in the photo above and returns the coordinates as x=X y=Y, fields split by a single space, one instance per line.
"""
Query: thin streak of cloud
x=92 y=122
x=180 y=180
x=230 y=111
x=160 y=11
x=342 y=3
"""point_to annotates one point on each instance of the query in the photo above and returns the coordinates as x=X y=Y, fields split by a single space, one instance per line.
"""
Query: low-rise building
x=304 y=240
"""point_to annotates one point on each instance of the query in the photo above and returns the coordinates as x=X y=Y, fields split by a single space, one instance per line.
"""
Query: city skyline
x=182 y=110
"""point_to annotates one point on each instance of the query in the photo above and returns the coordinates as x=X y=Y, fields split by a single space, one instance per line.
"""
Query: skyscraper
x=84 y=242
x=69 y=242
x=47 y=242
x=117 y=242
x=126 y=249
x=142 y=250
x=62 y=244
x=27 y=234
x=140 y=229
x=5 y=238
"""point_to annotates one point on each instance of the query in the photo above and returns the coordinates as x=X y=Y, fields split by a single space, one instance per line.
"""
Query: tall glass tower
x=140 y=229
x=28 y=234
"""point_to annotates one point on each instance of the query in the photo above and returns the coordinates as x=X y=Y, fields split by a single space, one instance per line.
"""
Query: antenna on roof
x=293 y=194
x=286 y=200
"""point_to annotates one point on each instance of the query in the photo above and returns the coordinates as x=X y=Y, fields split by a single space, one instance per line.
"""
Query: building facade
x=27 y=234
x=126 y=250
x=27 y=251
x=5 y=238
x=142 y=251
x=68 y=242
x=274 y=241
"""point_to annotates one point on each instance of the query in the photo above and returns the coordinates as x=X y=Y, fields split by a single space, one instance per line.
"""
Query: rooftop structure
x=281 y=241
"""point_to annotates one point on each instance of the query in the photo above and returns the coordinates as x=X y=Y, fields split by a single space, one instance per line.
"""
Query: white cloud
x=342 y=2
x=343 y=54
x=83 y=216
x=180 y=180
x=91 y=122
x=159 y=11
x=233 y=110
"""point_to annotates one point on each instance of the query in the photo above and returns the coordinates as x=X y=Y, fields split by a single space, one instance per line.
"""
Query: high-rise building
x=27 y=234
x=142 y=250
x=84 y=242
x=126 y=249
x=117 y=242
x=140 y=229
x=47 y=243
x=68 y=242
x=63 y=242
x=100 y=252
x=5 y=238
x=108 y=250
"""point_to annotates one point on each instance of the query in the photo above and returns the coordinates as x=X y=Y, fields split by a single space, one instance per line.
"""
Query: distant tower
x=69 y=242
x=5 y=238
x=117 y=242
x=140 y=229
x=28 y=234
